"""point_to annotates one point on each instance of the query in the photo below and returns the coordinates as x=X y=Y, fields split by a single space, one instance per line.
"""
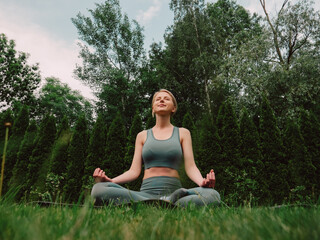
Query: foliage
x=252 y=167
x=310 y=131
x=18 y=80
x=189 y=124
x=20 y=125
x=151 y=121
x=112 y=53
x=96 y=151
x=78 y=149
x=59 y=154
x=20 y=170
x=115 y=42
x=199 y=43
x=275 y=171
x=39 y=160
x=115 y=148
x=136 y=127
x=301 y=170
x=281 y=63
x=230 y=143
x=58 y=99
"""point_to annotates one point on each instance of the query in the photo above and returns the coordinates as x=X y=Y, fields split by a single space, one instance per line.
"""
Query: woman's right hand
x=100 y=176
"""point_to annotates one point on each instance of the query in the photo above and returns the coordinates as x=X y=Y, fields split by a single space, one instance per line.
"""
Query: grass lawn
x=147 y=222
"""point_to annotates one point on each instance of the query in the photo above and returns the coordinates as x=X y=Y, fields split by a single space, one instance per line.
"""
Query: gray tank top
x=162 y=153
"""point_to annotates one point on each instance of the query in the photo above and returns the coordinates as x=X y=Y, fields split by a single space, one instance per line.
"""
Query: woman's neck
x=163 y=121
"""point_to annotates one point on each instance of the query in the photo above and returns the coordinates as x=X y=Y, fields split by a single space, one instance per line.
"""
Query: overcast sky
x=43 y=28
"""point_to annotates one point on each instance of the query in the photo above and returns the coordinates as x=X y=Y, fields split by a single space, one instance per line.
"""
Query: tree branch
x=274 y=31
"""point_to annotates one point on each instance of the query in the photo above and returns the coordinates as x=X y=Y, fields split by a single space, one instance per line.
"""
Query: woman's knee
x=200 y=197
x=100 y=189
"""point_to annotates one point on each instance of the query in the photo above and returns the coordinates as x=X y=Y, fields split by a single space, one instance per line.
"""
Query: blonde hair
x=175 y=104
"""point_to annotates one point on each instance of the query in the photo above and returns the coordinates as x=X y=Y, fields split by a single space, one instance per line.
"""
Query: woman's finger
x=96 y=171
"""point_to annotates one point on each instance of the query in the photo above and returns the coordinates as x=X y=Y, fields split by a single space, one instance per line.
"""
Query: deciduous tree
x=18 y=79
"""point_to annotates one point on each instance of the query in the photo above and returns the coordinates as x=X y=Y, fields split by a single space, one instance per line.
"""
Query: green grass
x=147 y=222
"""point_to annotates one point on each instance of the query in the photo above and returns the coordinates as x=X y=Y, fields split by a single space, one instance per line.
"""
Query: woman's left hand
x=210 y=180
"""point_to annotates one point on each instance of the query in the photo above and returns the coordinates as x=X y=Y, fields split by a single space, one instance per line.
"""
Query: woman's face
x=163 y=104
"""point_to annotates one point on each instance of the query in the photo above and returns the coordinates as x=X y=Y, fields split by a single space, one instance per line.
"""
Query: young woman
x=161 y=149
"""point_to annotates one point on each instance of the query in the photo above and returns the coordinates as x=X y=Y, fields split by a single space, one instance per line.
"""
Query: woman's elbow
x=135 y=173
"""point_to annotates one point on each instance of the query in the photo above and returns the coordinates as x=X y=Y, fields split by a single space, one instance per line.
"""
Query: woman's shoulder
x=184 y=132
x=142 y=133
x=141 y=136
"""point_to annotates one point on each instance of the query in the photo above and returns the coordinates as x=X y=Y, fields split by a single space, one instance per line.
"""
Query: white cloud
x=56 y=57
x=146 y=16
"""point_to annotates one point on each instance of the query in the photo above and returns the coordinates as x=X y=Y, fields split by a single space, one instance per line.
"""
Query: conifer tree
x=252 y=158
x=275 y=171
x=301 y=170
x=59 y=155
x=230 y=143
x=20 y=170
x=151 y=121
x=77 y=156
x=115 y=148
x=219 y=119
x=310 y=130
x=210 y=155
x=39 y=160
x=188 y=123
x=96 y=150
x=136 y=127
x=20 y=125
x=63 y=126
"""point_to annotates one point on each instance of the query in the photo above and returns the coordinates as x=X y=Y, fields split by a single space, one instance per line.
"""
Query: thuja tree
x=230 y=142
x=39 y=160
x=188 y=123
x=310 y=130
x=150 y=122
x=252 y=165
x=59 y=155
x=209 y=152
x=96 y=150
x=77 y=156
x=136 y=127
x=301 y=171
x=59 y=158
x=20 y=170
x=115 y=148
x=20 y=125
x=275 y=173
x=219 y=118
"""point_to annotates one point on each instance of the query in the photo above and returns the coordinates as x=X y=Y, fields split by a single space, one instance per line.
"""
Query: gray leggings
x=165 y=188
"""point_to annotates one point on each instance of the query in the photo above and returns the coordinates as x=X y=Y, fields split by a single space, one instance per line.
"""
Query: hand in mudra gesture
x=210 y=180
x=100 y=176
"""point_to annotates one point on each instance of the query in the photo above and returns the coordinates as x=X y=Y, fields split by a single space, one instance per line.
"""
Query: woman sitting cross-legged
x=160 y=149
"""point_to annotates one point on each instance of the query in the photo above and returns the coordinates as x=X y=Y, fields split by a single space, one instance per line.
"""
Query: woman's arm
x=189 y=163
x=135 y=169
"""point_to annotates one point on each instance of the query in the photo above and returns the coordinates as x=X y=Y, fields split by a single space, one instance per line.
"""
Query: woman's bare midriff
x=160 y=171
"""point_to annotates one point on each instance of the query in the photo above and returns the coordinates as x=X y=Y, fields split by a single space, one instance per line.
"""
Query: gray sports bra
x=162 y=153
